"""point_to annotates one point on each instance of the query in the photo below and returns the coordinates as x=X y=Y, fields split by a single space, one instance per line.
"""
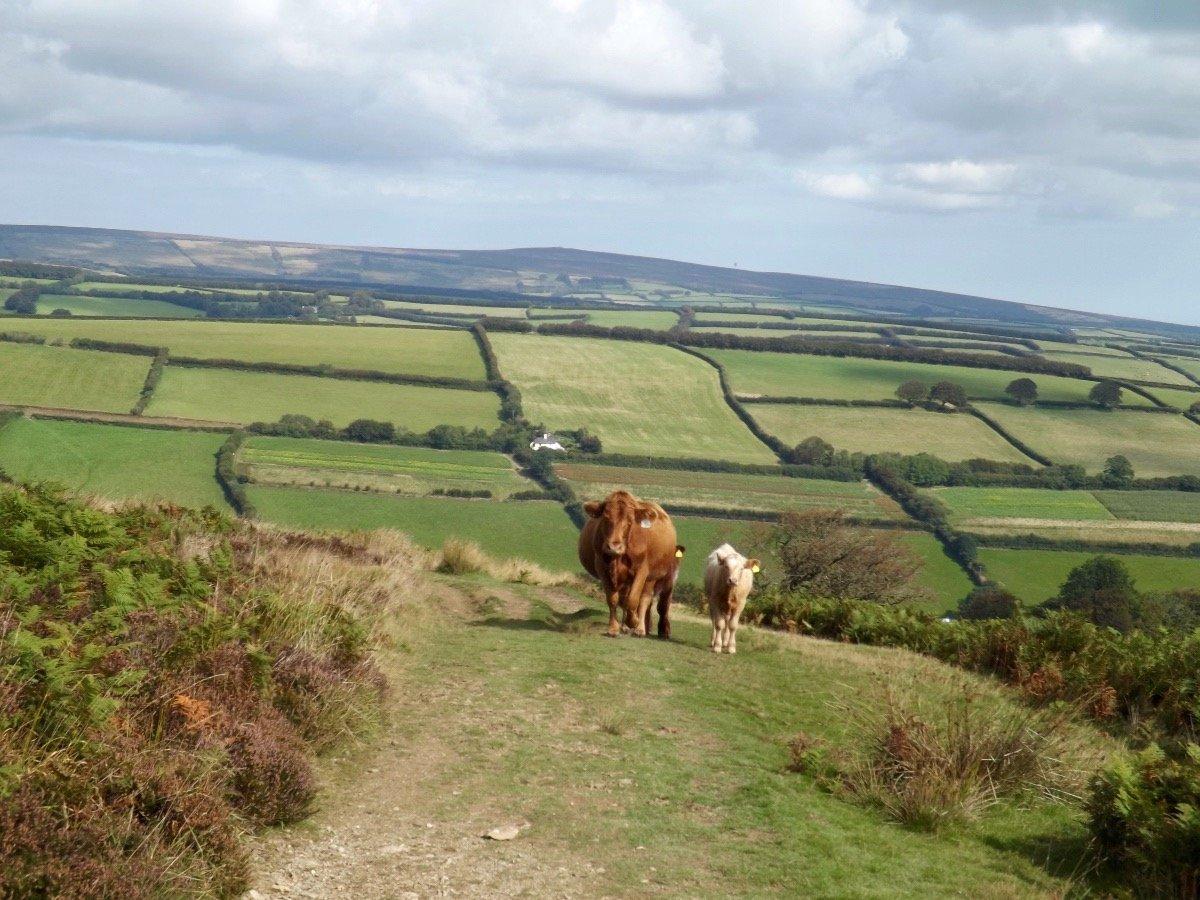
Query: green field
x=1036 y=575
x=404 y=470
x=1187 y=363
x=1094 y=349
x=1152 y=506
x=433 y=309
x=1127 y=368
x=611 y=318
x=113 y=306
x=1156 y=443
x=1180 y=399
x=538 y=531
x=950 y=436
x=445 y=353
x=639 y=398
x=62 y=377
x=115 y=461
x=719 y=316
x=124 y=287
x=229 y=395
x=838 y=378
x=1021 y=503
x=730 y=490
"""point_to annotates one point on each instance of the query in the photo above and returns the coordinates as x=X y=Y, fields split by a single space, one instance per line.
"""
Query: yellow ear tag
x=679 y=554
x=756 y=569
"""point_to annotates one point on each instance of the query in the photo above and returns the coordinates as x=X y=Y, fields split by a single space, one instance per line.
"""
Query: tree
x=913 y=391
x=1023 y=390
x=60 y=313
x=814 y=451
x=1195 y=408
x=370 y=431
x=949 y=392
x=1118 y=471
x=988 y=602
x=1106 y=393
x=1102 y=591
x=819 y=554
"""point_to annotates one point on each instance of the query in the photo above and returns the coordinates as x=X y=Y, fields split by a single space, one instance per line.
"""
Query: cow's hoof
x=715 y=649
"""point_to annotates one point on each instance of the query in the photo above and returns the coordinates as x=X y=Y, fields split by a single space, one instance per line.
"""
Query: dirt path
x=391 y=826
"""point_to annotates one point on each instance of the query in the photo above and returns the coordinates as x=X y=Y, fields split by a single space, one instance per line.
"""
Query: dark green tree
x=949 y=392
x=913 y=391
x=1106 y=394
x=1118 y=471
x=813 y=451
x=1023 y=390
x=988 y=602
x=1102 y=591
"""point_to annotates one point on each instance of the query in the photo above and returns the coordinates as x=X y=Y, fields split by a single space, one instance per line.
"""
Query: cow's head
x=734 y=565
x=619 y=514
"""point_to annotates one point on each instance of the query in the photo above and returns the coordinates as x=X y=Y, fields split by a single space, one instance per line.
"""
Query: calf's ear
x=594 y=508
x=753 y=566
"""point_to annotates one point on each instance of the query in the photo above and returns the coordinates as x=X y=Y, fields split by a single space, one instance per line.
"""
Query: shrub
x=913 y=391
x=1118 y=472
x=931 y=768
x=1144 y=813
x=370 y=431
x=988 y=602
x=948 y=392
x=1102 y=591
x=60 y=313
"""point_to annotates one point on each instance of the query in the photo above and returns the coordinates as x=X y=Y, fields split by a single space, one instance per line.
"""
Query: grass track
x=1156 y=443
x=446 y=353
x=949 y=436
x=639 y=398
x=407 y=470
x=834 y=378
x=115 y=461
x=229 y=395
x=34 y=375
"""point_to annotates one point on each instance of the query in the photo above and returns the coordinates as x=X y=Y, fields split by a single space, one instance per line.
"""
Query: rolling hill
x=514 y=272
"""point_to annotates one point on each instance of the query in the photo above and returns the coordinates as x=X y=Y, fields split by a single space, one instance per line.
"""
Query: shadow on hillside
x=1068 y=857
x=578 y=622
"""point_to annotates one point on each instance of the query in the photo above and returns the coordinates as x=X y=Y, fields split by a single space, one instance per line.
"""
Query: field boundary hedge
x=1076 y=545
x=153 y=376
x=235 y=491
x=1035 y=365
x=1009 y=436
x=774 y=444
x=511 y=408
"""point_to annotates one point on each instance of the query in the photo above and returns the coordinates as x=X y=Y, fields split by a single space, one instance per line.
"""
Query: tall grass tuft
x=459 y=557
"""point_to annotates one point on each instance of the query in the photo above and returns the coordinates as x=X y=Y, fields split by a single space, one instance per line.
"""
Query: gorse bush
x=165 y=676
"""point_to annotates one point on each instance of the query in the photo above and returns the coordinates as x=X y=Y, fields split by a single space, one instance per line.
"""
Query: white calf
x=728 y=580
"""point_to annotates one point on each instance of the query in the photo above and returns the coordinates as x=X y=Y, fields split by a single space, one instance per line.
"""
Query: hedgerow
x=227 y=476
x=153 y=376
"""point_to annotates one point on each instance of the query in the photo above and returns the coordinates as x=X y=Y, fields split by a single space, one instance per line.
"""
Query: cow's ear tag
x=756 y=569
x=679 y=554
x=646 y=523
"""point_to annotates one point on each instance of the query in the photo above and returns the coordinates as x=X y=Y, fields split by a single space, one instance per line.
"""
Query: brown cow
x=629 y=544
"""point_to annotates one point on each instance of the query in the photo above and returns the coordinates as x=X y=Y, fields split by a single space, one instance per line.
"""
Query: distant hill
x=533 y=270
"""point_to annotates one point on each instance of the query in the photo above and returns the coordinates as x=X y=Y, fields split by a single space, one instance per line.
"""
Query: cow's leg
x=614 y=600
x=664 y=612
x=718 y=635
x=735 y=619
x=637 y=595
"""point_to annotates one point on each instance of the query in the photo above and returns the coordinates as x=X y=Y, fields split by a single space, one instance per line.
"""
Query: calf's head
x=621 y=517
x=734 y=566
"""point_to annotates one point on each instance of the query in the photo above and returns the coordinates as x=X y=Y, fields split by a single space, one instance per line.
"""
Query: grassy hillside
x=229 y=395
x=1156 y=444
x=436 y=352
x=71 y=379
x=949 y=436
x=638 y=398
x=114 y=461
x=405 y=470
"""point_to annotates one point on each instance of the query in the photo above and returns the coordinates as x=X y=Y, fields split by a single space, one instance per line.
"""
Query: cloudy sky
x=1038 y=150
